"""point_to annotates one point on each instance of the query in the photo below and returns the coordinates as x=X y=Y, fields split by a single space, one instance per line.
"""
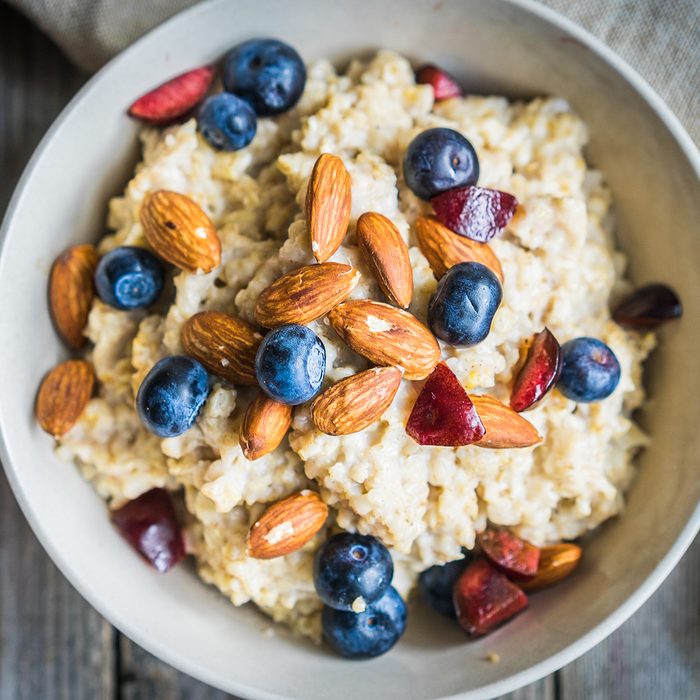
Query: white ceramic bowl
x=508 y=47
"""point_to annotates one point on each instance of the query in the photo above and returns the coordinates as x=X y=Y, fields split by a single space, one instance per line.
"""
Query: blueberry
x=266 y=73
x=590 y=371
x=227 y=122
x=129 y=278
x=436 y=584
x=348 y=567
x=438 y=160
x=172 y=394
x=464 y=304
x=290 y=364
x=369 y=633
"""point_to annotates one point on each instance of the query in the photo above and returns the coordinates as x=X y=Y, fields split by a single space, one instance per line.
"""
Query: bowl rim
x=143 y=637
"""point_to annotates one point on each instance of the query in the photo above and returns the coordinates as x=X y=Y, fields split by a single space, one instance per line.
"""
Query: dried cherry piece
x=515 y=557
x=443 y=84
x=539 y=373
x=648 y=307
x=443 y=413
x=484 y=598
x=475 y=212
x=150 y=526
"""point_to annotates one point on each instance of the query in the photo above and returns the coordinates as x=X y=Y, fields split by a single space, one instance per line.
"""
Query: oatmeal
x=560 y=268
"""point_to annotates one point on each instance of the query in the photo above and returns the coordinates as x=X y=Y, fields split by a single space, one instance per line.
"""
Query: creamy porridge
x=560 y=269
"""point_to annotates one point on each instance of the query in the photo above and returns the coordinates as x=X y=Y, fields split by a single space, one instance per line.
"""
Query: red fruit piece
x=539 y=373
x=474 y=212
x=648 y=307
x=150 y=526
x=515 y=557
x=175 y=98
x=443 y=84
x=484 y=598
x=443 y=413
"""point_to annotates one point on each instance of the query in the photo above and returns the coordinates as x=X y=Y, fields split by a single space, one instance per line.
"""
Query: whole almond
x=386 y=335
x=504 y=427
x=71 y=291
x=265 y=424
x=328 y=204
x=356 y=402
x=386 y=254
x=287 y=525
x=63 y=395
x=180 y=232
x=225 y=345
x=444 y=249
x=305 y=294
x=556 y=563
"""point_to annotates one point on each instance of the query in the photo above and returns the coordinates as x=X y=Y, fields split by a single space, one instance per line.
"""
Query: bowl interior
x=492 y=46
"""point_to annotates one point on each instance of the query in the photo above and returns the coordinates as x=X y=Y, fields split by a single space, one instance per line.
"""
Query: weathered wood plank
x=52 y=644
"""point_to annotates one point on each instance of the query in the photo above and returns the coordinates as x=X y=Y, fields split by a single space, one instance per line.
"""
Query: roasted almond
x=386 y=254
x=180 y=232
x=504 y=427
x=63 y=395
x=328 y=203
x=386 y=335
x=71 y=291
x=305 y=294
x=556 y=563
x=444 y=249
x=356 y=402
x=225 y=345
x=265 y=424
x=287 y=525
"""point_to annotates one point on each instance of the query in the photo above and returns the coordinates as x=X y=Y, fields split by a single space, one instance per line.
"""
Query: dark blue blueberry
x=172 y=394
x=227 y=122
x=266 y=73
x=464 y=304
x=129 y=278
x=369 y=633
x=350 y=566
x=438 y=160
x=290 y=364
x=590 y=371
x=436 y=584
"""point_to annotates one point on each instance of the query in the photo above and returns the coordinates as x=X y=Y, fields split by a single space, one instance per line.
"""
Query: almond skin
x=504 y=427
x=444 y=249
x=63 y=395
x=328 y=204
x=71 y=291
x=356 y=402
x=303 y=295
x=225 y=345
x=386 y=335
x=265 y=424
x=386 y=254
x=287 y=525
x=556 y=563
x=180 y=232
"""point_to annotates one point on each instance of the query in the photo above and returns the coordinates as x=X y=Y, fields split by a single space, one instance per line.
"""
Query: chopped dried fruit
x=150 y=526
x=443 y=84
x=512 y=555
x=539 y=373
x=484 y=598
x=648 y=307
x=443 y=413
x=175 y=98
x=475 y=212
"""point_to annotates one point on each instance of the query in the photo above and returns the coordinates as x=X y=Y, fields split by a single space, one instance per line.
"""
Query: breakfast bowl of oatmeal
x=364 y=348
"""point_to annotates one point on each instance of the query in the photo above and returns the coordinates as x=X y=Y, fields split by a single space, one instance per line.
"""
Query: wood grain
x=54 y=646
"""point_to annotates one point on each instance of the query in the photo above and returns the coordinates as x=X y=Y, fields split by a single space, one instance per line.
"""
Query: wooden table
x=54 y=646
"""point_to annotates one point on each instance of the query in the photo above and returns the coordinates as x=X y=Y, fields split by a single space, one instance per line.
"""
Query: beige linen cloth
x=660 y=38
